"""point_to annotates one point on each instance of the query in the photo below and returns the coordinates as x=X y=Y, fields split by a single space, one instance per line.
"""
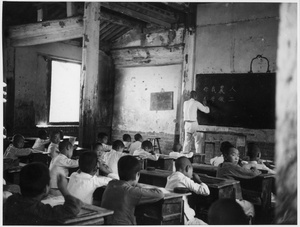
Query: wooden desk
x=168 y=211
x=88 y=215
x=165 y=162
x=78 y=151
x=205 y=169
x=155 y=177
x=261 y=186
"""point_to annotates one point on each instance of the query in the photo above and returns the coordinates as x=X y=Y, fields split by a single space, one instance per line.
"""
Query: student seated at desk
x=146 y=151
x=230 y=169
x=61 y=164
x=220 y=159
x=122 y=196
x=177 y=152
x=226 y=212
x=53 y=148
x=136 y=144
x=127 y=142
x=111 y=158
x=15 y=150
x=104 y=169
x=254 y=156
x=184 y=177
x=27 y=209
x=103 y=139
x=41 y=141
x=83 y=183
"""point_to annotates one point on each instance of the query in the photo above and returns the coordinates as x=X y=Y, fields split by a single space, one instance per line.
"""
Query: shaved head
x=181 y=163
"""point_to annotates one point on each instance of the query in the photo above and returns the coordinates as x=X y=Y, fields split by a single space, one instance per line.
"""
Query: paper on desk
x=54 y=200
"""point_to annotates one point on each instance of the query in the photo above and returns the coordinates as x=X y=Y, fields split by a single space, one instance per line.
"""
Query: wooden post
x=89 y=103
x=286 y=114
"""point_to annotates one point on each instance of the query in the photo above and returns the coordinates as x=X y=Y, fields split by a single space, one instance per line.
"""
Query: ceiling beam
x=46 y=31
x=120 y=21
x=135 y=14
x=57 y=30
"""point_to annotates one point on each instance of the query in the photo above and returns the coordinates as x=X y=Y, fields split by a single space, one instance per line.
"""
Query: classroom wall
x=31 y=85
x=154 y=64
x=228 y=36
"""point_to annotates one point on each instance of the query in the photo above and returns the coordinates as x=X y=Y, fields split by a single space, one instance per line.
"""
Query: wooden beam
x=135 y=14
x=46 y=32
x=146 y=56
x=89 y=100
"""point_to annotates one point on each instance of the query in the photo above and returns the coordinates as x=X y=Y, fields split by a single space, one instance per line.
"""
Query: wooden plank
x=46 y=31
x=141 y=16
x=116 y=31
x=143 y=56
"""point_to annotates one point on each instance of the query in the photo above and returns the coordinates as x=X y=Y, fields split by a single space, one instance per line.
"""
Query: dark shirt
x=230 y=171
x=121 y=197
x=20 y=210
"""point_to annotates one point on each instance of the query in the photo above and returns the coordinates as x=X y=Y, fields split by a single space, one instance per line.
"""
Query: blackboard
x=237 y=100
x=161 y=101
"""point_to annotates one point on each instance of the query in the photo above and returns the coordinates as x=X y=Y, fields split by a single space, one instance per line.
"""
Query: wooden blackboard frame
x=246 y=100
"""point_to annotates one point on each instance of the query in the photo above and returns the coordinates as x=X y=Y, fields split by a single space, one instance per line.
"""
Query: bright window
x=65 y=92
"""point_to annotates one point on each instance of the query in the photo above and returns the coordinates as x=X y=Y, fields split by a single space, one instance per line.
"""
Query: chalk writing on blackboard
x=237 y=100
x=161 y=101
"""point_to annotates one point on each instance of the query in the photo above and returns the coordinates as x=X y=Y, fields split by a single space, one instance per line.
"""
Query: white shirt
x=145 y=155
x=82 y=185
x=60 y=164
x=217 y=160
x=135 y=146
x=111 y=159
x=53 y=150
x=251 y=164
x=178 y=179
x=190 y=108
x=176 y=155
x=39 y=144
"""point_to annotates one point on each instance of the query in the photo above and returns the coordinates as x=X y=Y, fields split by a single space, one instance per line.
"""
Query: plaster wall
x=229 y=35
x=133 y=88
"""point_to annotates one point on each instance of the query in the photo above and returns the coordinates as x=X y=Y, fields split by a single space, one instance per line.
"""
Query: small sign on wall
x=161 y=101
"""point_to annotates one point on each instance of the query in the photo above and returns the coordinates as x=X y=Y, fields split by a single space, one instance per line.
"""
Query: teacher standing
x=190 y=108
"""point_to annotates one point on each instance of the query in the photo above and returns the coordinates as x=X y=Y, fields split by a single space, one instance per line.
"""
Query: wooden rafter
x=152 y=19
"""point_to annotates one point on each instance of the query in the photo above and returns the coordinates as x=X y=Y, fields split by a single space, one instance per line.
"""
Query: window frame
x=65 y=60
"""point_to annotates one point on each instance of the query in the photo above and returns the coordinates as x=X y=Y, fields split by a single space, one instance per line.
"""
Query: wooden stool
x=155 y=142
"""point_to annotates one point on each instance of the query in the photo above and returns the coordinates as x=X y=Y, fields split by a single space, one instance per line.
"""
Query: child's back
x=83 y=183
x=27 y=208
x=122 y=196
x=254 y=155
x=136 y=144
x=41 y=141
